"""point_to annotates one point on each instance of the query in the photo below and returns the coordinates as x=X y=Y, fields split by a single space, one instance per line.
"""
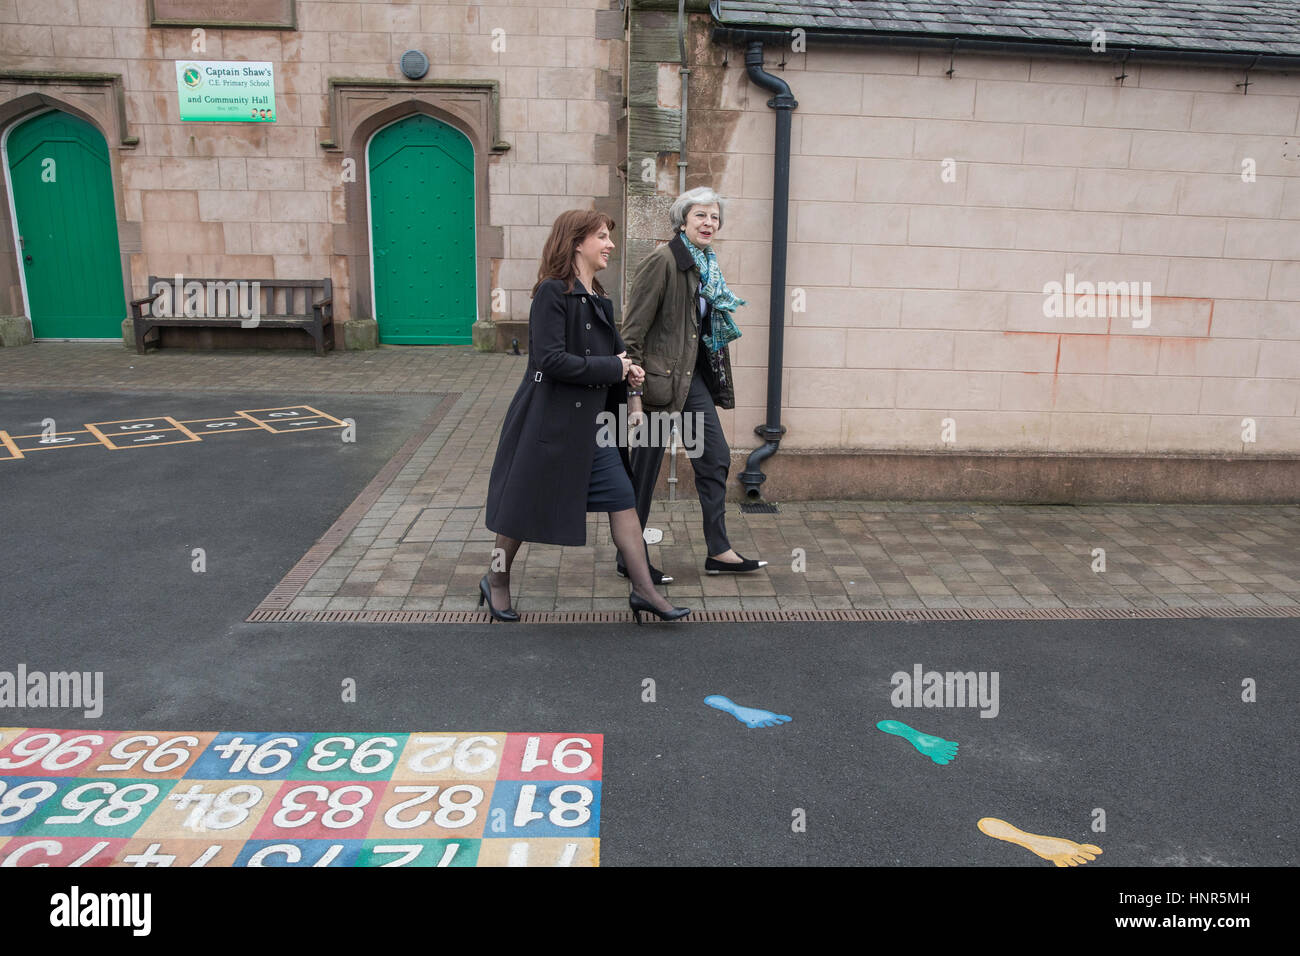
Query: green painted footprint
x=936 y=748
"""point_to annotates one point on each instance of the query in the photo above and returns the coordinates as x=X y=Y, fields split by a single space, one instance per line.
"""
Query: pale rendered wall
x=924 y=298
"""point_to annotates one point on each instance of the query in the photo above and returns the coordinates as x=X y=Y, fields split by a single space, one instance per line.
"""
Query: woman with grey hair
x=676 y=326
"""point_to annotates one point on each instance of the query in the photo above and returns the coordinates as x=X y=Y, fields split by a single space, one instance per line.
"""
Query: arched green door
x=63 y=200
x=422 y=232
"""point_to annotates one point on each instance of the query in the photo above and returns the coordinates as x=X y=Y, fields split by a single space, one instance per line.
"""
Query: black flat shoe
x=638 y=604
x=485 y=594
x=657 y=577
x=714 y=566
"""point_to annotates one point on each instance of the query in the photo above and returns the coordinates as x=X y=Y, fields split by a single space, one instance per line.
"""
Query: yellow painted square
x=549 y=851
x=170 y=817
x=9 y=734
x=430 y=810
x=315 y=413
x=255 y=427
x=175 y=436
x=149 y=422
x=91 y=439
x=9 y=449
x=263 y=417
x=450 y=755
x=336 y=421
x=155 y=755
x=186 y=852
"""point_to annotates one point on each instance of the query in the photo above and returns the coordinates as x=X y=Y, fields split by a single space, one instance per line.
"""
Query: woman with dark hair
x=550 y=470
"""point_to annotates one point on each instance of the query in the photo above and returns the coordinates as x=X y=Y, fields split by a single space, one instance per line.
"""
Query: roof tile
x=1234 y=26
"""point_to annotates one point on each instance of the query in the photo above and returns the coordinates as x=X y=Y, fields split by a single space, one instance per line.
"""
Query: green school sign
x=235 y=91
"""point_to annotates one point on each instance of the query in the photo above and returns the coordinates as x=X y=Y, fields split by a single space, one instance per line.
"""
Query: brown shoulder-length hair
x=571 y=227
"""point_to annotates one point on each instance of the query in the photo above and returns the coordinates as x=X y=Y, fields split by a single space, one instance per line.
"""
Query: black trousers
x=711 y=469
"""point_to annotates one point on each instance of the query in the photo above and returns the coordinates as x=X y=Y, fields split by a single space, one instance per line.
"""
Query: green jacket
x=661 y=327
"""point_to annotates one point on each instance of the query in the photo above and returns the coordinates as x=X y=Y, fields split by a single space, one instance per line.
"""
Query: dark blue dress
x=609 y=489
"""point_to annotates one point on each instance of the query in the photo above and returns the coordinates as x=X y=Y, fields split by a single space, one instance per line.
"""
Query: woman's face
x=596 y=248
x=702 y=223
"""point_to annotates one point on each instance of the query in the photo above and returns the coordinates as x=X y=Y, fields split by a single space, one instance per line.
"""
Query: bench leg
x=142 y=330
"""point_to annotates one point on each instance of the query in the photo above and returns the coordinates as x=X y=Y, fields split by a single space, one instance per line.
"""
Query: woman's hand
x=636 y=376
x=627 y=363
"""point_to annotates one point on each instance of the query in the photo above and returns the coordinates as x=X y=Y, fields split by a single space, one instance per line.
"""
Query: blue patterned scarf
x=714 y=289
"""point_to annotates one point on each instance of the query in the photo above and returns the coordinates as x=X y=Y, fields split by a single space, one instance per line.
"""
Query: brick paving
x=419 y=544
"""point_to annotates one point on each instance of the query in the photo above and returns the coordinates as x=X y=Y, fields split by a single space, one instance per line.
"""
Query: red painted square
x=302 y=810
x=552 y=757
x=42 y=752
x=67 y=851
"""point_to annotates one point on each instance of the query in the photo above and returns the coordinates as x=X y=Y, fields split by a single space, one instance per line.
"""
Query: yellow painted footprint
x=1060 y=851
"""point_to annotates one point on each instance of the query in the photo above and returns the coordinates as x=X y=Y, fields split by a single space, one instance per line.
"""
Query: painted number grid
x=180 y=798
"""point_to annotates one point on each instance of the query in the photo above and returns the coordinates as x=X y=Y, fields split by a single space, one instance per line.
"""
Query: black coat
x=538 y=488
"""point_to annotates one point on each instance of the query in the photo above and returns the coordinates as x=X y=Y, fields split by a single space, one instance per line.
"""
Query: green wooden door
x=422 y=232
x=63 y=199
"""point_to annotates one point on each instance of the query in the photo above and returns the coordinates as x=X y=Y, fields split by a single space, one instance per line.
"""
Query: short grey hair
x=699 y=196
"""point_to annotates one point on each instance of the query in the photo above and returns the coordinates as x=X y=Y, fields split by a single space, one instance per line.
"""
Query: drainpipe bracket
x=783 y=101
x=768 y=433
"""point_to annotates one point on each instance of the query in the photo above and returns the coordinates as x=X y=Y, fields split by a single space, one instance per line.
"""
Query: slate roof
x=1270 y=27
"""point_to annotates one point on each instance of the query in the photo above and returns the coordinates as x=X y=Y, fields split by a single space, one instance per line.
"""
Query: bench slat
x=281 y=303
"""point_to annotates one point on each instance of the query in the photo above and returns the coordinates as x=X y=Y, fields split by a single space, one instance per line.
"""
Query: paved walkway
x=414 y=541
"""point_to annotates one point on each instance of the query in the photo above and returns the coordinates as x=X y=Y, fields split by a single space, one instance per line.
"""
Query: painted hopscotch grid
x=206 y=798
x=166 y=430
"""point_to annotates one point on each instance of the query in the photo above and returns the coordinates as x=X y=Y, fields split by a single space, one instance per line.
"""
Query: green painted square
x=349 y=757
x=99 y=808
x=430 y=853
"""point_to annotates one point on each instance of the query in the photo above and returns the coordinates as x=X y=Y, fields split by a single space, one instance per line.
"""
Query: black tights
x=624 y=528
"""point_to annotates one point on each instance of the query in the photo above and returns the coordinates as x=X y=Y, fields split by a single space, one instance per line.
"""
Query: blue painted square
x=269 y=764
x=308 y=852
x=508 y=794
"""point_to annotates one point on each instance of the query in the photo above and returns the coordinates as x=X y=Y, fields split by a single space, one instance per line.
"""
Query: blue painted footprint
x=936 y=748
x=749 y=716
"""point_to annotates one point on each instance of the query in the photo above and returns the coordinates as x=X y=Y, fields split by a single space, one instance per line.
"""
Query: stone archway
x=360 y=107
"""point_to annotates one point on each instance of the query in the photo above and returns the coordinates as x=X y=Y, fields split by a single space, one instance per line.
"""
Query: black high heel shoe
x=638 y=604
x=485 y=594
x=657 y=577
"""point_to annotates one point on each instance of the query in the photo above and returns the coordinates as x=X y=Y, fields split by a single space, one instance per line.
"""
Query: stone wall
x=250 y=200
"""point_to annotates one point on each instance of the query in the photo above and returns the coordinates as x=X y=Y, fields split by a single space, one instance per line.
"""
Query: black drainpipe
x=783 y=102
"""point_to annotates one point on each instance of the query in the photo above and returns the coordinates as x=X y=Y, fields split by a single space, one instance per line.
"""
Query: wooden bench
x=306 y=304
